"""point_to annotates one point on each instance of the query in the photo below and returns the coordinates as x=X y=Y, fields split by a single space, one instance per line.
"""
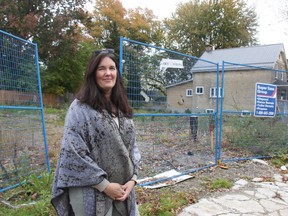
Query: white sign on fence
x=171 y=63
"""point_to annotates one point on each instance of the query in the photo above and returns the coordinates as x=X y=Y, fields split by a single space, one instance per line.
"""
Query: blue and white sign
x=265 y=100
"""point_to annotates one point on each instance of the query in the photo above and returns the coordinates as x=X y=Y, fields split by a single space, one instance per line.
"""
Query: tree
x=107 y=23
x=66 y=73
x=55 y=25
x=143 y=26
x=110 y=20
x=218 y=23
x=17 y=65
x=52 y=24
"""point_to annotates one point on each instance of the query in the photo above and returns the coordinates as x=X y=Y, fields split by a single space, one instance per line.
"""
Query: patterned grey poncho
x=93 y=148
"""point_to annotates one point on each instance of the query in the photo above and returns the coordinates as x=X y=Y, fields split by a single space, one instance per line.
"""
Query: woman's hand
x=114 y=190
x=127 y=189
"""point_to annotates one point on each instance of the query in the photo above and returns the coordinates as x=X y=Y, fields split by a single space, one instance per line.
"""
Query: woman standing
x=99 y=161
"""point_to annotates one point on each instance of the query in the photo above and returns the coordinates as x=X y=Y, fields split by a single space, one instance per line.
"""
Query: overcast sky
x=273 y=27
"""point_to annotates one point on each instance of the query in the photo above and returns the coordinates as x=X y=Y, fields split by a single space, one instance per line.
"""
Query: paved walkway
x=254 y=198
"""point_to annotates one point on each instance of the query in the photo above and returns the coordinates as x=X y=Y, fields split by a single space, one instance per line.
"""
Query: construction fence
x=192 y=114
x=23 y=147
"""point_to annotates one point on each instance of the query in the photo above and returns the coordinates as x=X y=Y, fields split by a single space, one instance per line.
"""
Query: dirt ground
x=197 y=185
x=234 y=171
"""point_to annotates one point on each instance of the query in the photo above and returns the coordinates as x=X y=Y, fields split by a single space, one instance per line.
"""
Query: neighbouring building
x=243 y=67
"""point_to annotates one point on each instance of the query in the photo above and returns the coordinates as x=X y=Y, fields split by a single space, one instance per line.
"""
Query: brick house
x=243 y=68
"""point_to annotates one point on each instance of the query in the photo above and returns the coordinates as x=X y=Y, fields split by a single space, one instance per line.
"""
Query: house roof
x=280 y=83
x=258 y=56
x=179 y=83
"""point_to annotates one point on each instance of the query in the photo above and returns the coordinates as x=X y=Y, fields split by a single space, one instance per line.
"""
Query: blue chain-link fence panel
x=191 y=115
x=175 y=130
x=255 y=114
x=23 y=146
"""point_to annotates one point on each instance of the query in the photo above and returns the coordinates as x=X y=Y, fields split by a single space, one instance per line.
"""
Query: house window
x=213 y=92
x=209 y=110
x=245 y=113
x=189 y=92
x=279 y=75
x=199 y=90
x=283 y=95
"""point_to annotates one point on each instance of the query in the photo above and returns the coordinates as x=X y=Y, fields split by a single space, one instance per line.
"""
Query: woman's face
x=106 y=74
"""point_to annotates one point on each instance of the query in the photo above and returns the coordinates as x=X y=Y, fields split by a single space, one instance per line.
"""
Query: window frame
x=187 y=91
x=209 y=111
x=214 y=92
x=199 y=87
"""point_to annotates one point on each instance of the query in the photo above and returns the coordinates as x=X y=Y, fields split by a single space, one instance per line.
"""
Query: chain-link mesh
x=191 y=114
x=245 y=133
x=23 y=149
x=173 y=130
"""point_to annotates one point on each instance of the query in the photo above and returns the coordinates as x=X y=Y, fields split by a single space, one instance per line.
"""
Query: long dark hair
x=91 y=94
